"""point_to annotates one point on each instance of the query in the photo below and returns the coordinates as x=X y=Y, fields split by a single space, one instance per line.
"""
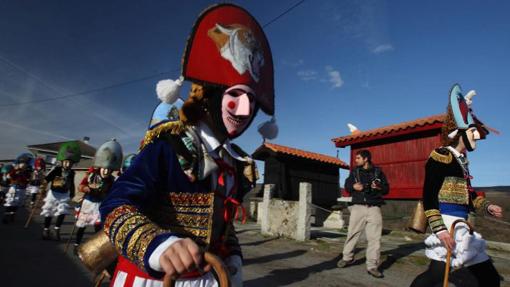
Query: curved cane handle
x=217 y=265
x=452 y=229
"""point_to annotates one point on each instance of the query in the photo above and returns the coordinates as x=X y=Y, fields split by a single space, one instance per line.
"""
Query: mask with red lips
x=238 y=109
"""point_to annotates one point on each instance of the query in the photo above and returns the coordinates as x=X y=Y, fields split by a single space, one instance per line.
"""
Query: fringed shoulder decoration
x=174 y=128
x=442 y=158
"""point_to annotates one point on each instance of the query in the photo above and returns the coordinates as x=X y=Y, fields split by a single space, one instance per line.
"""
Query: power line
x=283 y=13
x=91 y=91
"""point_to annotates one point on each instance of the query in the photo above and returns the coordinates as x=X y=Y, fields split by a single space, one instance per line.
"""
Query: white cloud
x=329 y=76
x=334 y=77
x=307 y=75
x=294 y=64
x=383 y=48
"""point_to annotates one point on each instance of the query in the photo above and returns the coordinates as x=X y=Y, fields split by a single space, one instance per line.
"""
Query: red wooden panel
x=403 y=162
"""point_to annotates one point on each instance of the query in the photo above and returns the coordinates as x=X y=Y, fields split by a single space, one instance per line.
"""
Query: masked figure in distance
x=37 y=179
x=61 y=184
x=5 y=181
x=19 y=177
x=95 y=185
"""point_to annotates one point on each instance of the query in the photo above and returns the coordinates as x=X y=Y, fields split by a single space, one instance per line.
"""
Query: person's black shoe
x=375 y=273
x=46 y=234
x=342 y=263
x=76 y=248
x=56 y=234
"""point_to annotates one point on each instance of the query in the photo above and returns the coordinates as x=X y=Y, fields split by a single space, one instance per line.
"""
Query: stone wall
x=283 y=218
x=286 y=218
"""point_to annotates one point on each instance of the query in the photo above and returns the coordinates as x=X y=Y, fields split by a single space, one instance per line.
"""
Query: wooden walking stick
x=101 y=278
x=217 y=265
x=449 y=254
x=40 y=197
x=74 y=228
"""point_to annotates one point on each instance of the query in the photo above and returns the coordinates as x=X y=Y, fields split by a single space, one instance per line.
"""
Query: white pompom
x=469 y=97
x=269 y=129
x=169 y=90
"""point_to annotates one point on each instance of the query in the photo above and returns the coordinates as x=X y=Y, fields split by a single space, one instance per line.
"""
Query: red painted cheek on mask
x=231 y=105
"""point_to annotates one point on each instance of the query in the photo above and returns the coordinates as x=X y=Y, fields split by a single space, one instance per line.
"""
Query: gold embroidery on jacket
x=454 y=190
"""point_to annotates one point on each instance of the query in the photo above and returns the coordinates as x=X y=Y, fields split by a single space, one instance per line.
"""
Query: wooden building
x=286 y=167
x=401 y=150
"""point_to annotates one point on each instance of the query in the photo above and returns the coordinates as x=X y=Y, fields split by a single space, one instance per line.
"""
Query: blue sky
x=372 y=63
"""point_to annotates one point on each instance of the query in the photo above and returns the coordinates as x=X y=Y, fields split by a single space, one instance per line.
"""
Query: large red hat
x=228 y=47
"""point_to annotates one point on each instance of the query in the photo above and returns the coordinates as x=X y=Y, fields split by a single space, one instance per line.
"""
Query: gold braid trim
x=173 y=128
x=136 y=235
x=131 y=233
x=454 y=190
x=138 y=243
x=432 y=212
x=481 y=204
x=446 y=159
x=435 y=220
x=114 y=216
x=145 y=239
x=133 y=223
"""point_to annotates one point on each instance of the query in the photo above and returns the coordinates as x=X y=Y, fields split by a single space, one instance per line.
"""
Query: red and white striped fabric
x=129 y=275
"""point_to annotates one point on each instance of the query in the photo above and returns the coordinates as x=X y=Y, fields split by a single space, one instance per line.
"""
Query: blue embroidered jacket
x=155 y=199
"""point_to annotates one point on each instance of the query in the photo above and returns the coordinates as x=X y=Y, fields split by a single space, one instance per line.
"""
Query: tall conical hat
x=228 y=47
x=26 y=158
x=7 y=168
x=109 y=155
x=69 y=151
x=40 y=163
x=459 y=116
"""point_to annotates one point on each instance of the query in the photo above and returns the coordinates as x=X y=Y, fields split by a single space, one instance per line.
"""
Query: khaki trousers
x=369 y=219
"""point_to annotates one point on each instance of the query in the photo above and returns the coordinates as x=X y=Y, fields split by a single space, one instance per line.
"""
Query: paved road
x=26 y=260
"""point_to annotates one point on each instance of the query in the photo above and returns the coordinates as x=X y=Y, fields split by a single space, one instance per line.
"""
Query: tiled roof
x=302 y=154
x=397 y=129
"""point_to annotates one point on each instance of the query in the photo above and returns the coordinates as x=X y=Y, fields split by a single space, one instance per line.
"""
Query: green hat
x=69 y=151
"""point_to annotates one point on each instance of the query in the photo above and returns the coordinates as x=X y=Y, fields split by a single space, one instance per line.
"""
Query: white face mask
x=104 y=172
x=472 y=135
x=476 y=135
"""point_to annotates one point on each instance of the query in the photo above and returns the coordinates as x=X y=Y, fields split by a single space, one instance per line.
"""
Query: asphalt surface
x=27 y=260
